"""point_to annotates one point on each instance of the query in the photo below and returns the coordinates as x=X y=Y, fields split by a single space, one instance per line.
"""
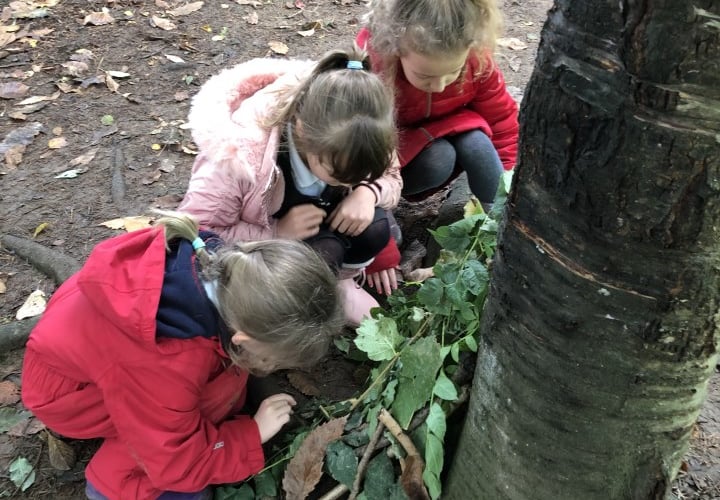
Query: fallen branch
x=52 y=263
x=369 y=449
x=14 y=335
x=413 y=465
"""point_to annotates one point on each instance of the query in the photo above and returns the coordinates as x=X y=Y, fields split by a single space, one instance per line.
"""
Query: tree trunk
x=600 y=331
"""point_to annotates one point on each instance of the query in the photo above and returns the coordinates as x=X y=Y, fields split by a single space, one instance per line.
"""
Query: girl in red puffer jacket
x=453 y=111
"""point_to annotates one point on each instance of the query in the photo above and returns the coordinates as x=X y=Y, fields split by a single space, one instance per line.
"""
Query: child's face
x=432 y=73
x=322 y=170
x=254 y=356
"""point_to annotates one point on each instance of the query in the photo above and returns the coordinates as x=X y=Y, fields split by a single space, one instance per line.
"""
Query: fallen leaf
x=57 y=143
x=82 y=55
x=98 y=18
x=17 y=115
x=40 y=228
x=129 y=223
x=107 y=120
x=305 y=469
x=34 y=305
x=57 y=131
x=3 y=287
x=174 y=59
x=84 y=158
x=38 y=98
x=182 y=95
x=14 y=155
x=70 y=174
x=93 y=80
x=13 y=90
x=412 y=480
x=111 y=84
x=169 y=201
x=117 y=74
x=65 y=87
x=254 y=3
x=278 y=47
x=186 y=9
x=6 y=39
x=20 y=136
x=303 y=383
x=75 y=68
x=9 y=392
x=62 y=456
x=252 y=18
x=307 y=33
x=512 y=43
x=163 y=24
x=151 y=178
x=162 y=4
x=167 y=166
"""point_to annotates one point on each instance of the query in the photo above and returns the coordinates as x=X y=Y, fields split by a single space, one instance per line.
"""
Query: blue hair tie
x=354 y=65
x=198 y=243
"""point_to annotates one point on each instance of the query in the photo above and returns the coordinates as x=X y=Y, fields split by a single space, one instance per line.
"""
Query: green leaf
x=474 y=277
x=379 y=478
x=265 y=485
x=10 y=416
x=22 y=473
x=416 y=314
x=430 y=293
x=452 y=238
x=433 y=484
x=433 y=456
x=455 y=352
x=444 y=388
x=341 y=462
x=342 y=344
x=448 y=272
x=388 y=395
x=378 y=338
x=107 y=120
x=416 y=378
x=436 y=421
x=471 y=343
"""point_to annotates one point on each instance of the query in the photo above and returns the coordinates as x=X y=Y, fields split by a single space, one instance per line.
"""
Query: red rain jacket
x=95 y=368
x=467 y=104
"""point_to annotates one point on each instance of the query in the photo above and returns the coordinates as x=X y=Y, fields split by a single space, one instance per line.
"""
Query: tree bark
x=601 y=328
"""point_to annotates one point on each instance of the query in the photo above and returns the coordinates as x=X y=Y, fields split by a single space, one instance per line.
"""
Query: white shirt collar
x=305 y=181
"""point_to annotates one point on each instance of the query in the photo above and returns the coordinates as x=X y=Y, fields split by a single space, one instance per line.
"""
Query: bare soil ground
x=109 y=101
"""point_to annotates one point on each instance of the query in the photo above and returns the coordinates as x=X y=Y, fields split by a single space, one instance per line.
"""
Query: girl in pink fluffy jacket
x=301 y=150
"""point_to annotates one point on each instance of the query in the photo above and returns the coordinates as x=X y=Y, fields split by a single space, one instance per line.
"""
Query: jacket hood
x=248 y=91
x=122 y=278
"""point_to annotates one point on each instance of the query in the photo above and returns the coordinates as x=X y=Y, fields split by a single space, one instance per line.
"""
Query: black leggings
x=338 y=249
x=470 y=151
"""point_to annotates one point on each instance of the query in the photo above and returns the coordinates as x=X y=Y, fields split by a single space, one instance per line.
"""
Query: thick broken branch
x=14 y=335
x=52 y=263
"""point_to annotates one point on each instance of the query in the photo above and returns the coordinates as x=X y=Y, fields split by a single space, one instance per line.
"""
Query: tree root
x=52 y=263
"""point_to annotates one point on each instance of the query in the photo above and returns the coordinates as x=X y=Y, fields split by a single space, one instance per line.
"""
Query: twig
x=397 y=431
x=369 y=449
x=335 y=493
x=117 y=183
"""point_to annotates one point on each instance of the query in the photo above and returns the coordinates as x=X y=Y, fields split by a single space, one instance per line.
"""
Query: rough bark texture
x=602 y=325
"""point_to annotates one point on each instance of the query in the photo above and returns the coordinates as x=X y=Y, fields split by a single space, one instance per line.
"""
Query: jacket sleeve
x=388 y=258
x=215 y=197
x=493 y=102
x=178 y=448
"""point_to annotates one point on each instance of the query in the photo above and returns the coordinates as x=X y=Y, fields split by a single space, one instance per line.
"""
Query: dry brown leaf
x=57 y=131
x=152 y=177
x=186 y=9
x=34 y=305
x=13 y=90
x=14 y=155
x=305 y=469
x=9 y=393
x=17 y=115
x=62 y=455
x=163 y=24
x=3 y=287
x=75 y=68
x=162 y=4
x=111 y=84
x=278 y=47
x=411 y=478
x=129 y=224
x=168 y=201
x=84 y=158
x=98 y=18
x=34 y=426
x=252 y=18
x=38 y=98
x=82 y=55
x=182 y=95
x=303 y=383
x=6 y=39
x=512 y=43
x=65 y=87
x=57 y=143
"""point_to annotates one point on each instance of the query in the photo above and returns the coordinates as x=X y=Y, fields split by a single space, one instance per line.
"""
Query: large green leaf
x=379 y=478
x=416 y=378
x=444 y=388
x=379 y=338
x=22 y=473
x=342 y=463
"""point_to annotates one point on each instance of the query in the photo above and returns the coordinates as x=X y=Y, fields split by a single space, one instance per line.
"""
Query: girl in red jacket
x=453 y=111
x=149 y=347
x=301 y=150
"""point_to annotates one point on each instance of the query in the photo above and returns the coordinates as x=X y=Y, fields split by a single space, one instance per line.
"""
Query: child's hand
x=274 y=412
x=354 y=213
x=384 y=281
x=301 y=222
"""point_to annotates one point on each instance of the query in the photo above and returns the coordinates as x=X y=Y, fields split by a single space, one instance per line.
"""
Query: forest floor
x=93 y=96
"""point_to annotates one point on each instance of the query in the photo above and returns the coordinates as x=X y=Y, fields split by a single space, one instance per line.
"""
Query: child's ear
x=239 y=337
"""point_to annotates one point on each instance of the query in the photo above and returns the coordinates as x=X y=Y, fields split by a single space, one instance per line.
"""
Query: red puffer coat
x=470 y=103
x=95 y=367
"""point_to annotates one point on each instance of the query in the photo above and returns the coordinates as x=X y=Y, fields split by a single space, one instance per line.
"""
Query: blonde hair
x=278 y=292
x=432 y=28
x=346 y=116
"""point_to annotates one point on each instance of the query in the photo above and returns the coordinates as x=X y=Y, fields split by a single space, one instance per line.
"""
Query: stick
x=397 y=431
x=52 y=263
x=369 y=449
x=117 y=184
x=335 y=493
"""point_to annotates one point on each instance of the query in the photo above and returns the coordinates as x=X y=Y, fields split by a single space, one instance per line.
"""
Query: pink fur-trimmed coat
x=236 y=184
